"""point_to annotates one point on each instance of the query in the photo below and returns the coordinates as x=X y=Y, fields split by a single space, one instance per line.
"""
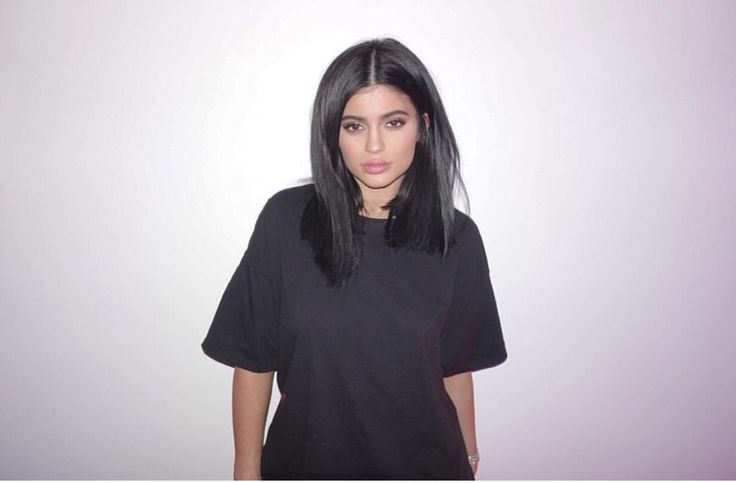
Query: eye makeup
x=394 y=123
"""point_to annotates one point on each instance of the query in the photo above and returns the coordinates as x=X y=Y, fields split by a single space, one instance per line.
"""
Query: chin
x=379 y=182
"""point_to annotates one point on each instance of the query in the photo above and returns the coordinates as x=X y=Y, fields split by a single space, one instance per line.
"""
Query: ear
x=425 y=116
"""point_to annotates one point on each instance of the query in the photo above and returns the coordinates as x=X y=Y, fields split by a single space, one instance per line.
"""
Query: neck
x=373 y=210
x=373 y=200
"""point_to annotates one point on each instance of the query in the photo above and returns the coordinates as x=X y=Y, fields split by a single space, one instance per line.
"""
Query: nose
x=374 y=141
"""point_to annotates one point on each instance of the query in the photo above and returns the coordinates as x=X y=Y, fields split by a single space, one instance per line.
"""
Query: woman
x=366 y=292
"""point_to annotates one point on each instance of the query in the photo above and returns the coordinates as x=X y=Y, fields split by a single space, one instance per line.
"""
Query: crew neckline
x=369 y=219
x=373 y=228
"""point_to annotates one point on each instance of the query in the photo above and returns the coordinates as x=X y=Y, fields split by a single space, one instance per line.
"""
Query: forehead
x=378 y=99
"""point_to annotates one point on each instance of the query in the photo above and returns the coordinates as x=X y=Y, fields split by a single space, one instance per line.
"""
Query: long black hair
x=421 y=216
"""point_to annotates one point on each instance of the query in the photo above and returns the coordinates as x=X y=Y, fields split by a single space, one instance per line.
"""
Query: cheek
x=405 y=148
x=347 y=148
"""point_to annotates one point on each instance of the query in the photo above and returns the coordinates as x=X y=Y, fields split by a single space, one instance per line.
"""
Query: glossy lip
x=375 y=167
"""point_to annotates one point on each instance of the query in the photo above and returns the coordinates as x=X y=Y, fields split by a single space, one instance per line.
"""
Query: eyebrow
x=388 y=114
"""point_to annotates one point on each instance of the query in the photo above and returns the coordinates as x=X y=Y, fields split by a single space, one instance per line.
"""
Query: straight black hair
x=422 y=215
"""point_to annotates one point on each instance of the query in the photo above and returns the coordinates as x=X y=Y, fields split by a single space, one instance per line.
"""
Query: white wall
x=139 y=140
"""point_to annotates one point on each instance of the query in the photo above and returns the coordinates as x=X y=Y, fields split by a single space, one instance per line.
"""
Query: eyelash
x=348 y=127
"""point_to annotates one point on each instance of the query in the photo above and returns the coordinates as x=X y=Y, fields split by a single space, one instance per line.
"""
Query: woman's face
x=378 y=136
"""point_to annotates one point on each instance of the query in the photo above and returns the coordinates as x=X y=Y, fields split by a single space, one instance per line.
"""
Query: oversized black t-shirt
x=360 y=369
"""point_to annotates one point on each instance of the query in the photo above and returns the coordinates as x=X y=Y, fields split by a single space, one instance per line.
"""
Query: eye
x=396 y=123
x=352 y=127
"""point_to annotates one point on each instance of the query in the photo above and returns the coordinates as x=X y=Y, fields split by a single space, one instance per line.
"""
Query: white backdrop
x=139 y=140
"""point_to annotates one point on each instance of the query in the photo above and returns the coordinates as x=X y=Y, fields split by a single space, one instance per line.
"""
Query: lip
x=375 y=167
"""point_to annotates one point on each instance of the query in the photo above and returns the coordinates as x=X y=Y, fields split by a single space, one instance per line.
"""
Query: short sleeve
x=472 y=339
x=244 y=331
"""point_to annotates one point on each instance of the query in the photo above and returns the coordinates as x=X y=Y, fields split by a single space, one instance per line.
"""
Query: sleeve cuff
x=231 y=356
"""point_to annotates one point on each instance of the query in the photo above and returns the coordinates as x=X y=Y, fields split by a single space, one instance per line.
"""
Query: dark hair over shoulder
x=421 y=216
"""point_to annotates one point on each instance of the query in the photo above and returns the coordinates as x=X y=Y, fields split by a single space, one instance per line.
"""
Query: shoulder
x=465 y=229
x=469 y=245
x=289 y=201
x=277 y=219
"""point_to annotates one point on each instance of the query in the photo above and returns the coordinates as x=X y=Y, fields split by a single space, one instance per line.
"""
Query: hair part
x=421 y=215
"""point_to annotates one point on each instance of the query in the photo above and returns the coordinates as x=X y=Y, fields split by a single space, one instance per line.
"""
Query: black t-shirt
x=359 y=369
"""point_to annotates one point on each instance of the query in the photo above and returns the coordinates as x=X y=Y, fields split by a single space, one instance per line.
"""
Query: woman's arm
x=460 y=389
x=251 y=397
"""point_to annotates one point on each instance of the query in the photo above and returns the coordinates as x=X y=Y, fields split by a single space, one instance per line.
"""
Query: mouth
x=375 y=167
